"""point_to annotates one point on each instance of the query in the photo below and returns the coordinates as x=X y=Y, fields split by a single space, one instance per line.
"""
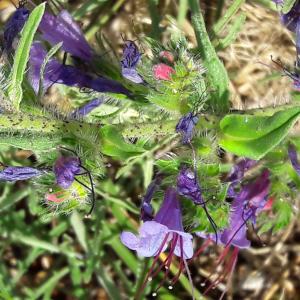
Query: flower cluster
x=171 y=88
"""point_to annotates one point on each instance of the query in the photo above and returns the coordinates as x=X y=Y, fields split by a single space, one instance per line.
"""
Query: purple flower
x=65 y=170
x=188 y=186
x=293 y=158
x=246 y=205
x=154 y=236
x=130 y=59
x=146 y=207
x=63 y=28
x=19 y=173
x=237 y=173
x=55 y=72
x=86 y=108
x=186 y=126
x=14 y=26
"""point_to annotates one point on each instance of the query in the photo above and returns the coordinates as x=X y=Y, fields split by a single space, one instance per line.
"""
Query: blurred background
x=70 y=257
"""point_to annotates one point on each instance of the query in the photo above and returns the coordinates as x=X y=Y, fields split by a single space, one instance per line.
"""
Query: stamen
x=201 y=249
x=156 y=258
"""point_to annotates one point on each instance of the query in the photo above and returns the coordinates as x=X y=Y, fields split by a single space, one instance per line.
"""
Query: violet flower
x=86 y=108
x=130 y=59
x=14 y=26
x=186 y=126
x=18 y=173
x=188 y=186
x=65 y=170
x=237 y=173
x=154 y=236
x=293 y=158
x=247 y=204
x=55 y=72
x=62 y=28
x=146 y=207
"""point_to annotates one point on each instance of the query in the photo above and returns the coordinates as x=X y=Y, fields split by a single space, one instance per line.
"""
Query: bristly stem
x=217 y=77
x=155 y=19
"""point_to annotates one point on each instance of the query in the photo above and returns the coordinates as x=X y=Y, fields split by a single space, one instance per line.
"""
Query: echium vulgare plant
x=164 y=108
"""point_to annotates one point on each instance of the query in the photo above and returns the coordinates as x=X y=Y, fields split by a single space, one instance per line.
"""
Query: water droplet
x=154 y=294
x=203 y=284
x=150 y=279
x=170 y=287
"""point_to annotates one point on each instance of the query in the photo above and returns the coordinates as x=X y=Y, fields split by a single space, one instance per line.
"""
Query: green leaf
x=230 y=12
x=78 y=226
x=114 y=145
x=287 y=6
x=254 y=136
x=233 y=31
x=16 y=76
x=52 y=51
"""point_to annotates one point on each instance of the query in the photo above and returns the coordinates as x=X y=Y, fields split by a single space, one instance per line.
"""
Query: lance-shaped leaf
x=254 y=136
x=22 y=55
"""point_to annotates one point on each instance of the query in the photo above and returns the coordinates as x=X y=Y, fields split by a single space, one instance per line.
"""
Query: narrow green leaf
x=233 y=31
x=78 y=226
x=52 y=51
x=230 y=12
x=22 y=55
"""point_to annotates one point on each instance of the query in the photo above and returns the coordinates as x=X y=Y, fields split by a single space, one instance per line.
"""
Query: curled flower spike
x=188 y=186
x=186 y=126
x=65 y=170
x=63 y=28
x=130 y=59
x=86 y=108
x=162 y=71
x=19 y=173
x=154 y=237
x=167 y=56
x=14 y=26
x=55 y=72
x=293 y=158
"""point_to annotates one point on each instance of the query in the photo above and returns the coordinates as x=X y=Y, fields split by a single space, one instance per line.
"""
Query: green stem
x=166 y=127
x=217 y=77
x=182 y=11
x=155 y=19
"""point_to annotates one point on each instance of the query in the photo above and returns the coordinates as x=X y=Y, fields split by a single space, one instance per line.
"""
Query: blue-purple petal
x=14 y=26
x=19 y=173
x=63 y=28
